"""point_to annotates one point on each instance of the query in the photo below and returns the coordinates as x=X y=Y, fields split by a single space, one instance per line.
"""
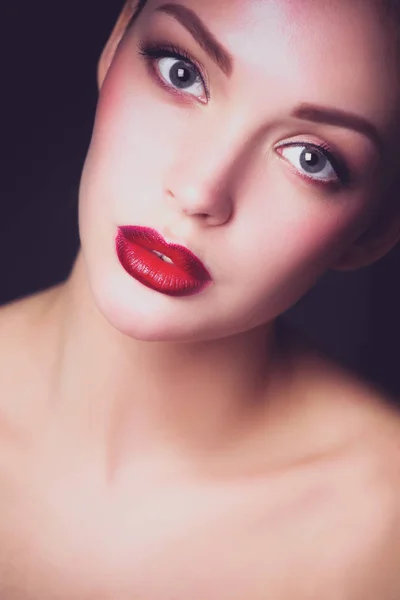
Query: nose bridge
x=220 y=151
x=210 y=161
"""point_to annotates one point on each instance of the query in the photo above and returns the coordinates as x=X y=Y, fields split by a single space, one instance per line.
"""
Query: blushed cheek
x=107 y=104
x=320 y=239
x=302 y=251
x=110 y=103
x=132 y=124
x=302 y=227
x=120 y=131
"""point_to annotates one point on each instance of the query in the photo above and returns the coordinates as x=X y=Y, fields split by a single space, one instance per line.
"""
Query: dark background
x=48 y=98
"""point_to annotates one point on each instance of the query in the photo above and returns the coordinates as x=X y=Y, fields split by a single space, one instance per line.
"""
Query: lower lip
x=154 y=273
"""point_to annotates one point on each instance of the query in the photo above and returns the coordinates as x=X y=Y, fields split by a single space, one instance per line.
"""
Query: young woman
x=162 y=435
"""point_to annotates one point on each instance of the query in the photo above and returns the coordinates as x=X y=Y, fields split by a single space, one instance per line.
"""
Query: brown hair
x=138 y=10
x=139 y=7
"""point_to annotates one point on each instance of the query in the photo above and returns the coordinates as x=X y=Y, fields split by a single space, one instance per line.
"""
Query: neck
x=138 y=397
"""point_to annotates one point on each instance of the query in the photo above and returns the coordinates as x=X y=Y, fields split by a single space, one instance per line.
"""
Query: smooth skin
x=154 y=447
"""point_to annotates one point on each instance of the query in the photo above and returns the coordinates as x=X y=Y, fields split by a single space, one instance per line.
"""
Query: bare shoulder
x=24 y=356
x=365 y=481
x=23 y=312
x=22 y=331
x=347 y=396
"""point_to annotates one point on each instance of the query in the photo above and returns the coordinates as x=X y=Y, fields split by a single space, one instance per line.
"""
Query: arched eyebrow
x=338 y=118
x=192 y=22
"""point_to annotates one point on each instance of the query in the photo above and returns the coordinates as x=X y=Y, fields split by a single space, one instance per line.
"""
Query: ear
x=114 y=40
x=382 y=234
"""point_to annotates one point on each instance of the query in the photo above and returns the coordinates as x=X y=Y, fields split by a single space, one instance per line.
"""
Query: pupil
x=181 y=75
x=312 y=161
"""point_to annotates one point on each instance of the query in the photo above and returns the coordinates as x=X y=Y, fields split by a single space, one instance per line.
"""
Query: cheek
x=296 y=242
x=135 y=136
x=312 y=243
x=331 y=232
x=124 y=132
x=317 y=234
x=299 y=226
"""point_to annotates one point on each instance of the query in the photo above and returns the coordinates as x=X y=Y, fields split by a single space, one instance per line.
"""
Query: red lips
x=186 y=276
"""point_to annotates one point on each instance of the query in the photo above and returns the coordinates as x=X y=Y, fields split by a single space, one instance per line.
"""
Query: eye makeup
x=337 y=163
x=153 y=52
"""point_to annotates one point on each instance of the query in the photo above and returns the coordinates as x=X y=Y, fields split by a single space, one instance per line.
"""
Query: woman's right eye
x=175 y=69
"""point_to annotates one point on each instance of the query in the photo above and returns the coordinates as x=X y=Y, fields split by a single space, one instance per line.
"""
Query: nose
x=202 y=179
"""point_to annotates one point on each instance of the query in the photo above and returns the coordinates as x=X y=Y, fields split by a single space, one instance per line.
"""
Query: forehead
x=333 y=52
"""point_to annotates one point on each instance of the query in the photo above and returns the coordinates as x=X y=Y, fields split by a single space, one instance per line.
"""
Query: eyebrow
x=338 y=118
x=192 y=22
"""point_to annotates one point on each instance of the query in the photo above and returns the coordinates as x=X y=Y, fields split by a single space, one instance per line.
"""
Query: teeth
x=163 y=257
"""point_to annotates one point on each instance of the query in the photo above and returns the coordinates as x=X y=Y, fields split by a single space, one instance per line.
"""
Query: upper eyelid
x=175 y=51
x=164 y=44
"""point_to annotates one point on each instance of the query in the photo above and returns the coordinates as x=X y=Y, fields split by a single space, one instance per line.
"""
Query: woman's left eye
x=176 y=70
x=316 y=162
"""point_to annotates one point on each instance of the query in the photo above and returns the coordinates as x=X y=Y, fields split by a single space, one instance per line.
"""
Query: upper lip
x=152 y=240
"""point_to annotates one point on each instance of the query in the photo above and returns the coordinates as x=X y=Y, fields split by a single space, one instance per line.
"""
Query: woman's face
x=224 y=160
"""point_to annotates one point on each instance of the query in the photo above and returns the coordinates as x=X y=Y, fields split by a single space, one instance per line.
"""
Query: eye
x=176 y=70
x=316 y=162
x=181 y=75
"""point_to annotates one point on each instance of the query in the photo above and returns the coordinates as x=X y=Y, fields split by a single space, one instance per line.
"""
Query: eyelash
x=153 y=51
x=337 y=163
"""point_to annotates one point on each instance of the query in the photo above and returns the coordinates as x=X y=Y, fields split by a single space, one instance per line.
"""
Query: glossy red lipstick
x=186 y=275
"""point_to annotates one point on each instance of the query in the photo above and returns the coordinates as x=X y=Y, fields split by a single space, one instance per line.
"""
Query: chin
x=144 y=315
x=141 y=313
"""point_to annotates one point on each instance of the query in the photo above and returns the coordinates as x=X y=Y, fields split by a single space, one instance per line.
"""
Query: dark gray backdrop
x=49 y=52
